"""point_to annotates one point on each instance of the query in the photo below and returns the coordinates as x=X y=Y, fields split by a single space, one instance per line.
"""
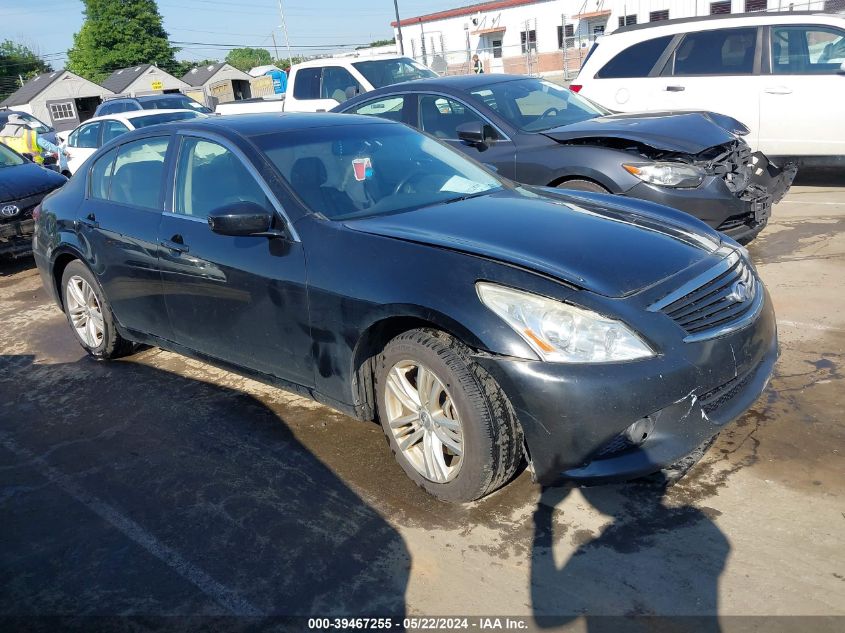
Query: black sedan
x=538 y=133
x=23 y=184
x=363 y=264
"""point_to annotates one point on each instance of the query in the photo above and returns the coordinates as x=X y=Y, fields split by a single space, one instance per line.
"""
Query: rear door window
x=636 y=60
x=721 y=52
x=139 y=173
x=807 y=50
x=101 y=173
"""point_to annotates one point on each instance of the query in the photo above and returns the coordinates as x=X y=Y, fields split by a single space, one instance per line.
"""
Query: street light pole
x=399 y=28
x=285 y=31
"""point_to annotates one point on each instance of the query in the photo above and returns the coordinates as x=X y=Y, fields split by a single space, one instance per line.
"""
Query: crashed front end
x=716 y=340
x=735 y=194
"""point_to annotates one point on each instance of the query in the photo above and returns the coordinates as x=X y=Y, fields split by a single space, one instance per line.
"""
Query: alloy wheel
x=424 y=421
x=85 y=312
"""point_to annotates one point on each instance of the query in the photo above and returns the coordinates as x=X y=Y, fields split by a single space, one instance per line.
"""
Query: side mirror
x=242 y=218
x=476 y=133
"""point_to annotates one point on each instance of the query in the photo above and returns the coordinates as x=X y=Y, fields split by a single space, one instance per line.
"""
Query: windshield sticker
x=459 y=184
x=363 y=168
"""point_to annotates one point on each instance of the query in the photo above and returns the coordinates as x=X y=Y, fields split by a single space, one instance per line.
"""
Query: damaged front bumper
x=740 y=215
x=586 y=422
x=16 y=237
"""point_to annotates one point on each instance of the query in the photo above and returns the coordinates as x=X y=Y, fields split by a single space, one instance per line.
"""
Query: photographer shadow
x=651 y=559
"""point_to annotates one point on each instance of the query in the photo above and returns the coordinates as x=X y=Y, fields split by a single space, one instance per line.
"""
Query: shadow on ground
x=129 y=490
x=664 y=559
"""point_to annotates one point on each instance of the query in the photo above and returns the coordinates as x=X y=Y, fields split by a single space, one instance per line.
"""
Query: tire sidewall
x=78 y=269
x=476 y=471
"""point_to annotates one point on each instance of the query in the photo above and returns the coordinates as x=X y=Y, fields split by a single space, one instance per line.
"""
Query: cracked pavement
x=158 y=485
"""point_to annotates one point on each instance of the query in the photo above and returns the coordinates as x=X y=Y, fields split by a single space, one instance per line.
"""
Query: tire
x=582 y=185
x=488 y=434
x=82 y=304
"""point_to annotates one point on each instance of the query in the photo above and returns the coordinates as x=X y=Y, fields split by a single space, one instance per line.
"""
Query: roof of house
x=120 y=79
x=198 y=76
x=32 y=88
x=495 y=5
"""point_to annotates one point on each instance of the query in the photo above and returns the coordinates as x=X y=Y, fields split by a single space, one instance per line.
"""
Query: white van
x=781 y=74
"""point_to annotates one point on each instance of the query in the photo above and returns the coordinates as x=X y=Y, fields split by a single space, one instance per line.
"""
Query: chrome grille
x=717 y=302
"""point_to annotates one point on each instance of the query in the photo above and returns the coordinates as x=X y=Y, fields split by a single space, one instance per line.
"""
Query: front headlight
x=667 y=174
x=560 y=332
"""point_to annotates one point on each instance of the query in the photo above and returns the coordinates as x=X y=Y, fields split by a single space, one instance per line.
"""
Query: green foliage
x=284 y=63
x=18 y=61
x=183 y=66
x=387 y=42
x=246 y=58
x=117 y=34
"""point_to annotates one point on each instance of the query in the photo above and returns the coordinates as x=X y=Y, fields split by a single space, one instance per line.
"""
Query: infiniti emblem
x=740 y=292
x=9 y=211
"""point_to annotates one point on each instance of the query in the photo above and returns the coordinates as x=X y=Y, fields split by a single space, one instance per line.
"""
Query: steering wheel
x=549 y=113
x=407 y=180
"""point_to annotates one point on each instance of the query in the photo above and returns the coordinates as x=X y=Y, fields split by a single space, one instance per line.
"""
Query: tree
x=246 y=58
x=18 y=62
x=284 y=64
x=117 y=34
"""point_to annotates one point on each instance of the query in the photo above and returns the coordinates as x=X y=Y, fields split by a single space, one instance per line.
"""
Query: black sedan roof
x=274 y=122
x=456 y=82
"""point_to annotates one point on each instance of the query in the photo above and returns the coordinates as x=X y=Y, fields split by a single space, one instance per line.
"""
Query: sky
x=313 y=26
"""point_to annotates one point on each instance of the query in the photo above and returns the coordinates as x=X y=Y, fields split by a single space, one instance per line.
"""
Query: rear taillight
x=575 y=87
x=36 y=212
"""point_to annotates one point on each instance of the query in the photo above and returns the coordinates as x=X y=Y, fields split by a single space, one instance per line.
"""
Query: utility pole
x=399 y=28
x=275 y=48
x=285 y=31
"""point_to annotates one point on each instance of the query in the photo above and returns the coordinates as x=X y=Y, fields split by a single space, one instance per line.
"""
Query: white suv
x=781 y=74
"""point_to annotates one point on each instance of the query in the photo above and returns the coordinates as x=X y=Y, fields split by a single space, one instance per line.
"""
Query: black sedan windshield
x=385 y=72
x=362 y=170
x=8 y=158
x=533 y=105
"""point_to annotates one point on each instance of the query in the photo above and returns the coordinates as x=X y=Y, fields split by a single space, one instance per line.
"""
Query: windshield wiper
x=467 y=196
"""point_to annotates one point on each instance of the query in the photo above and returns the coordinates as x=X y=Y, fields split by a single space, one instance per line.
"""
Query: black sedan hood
x=29 y=179
x=688 y=132
x=597 y=242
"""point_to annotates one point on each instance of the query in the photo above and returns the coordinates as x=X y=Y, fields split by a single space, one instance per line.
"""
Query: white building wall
x=68 y=86
x=449 y=42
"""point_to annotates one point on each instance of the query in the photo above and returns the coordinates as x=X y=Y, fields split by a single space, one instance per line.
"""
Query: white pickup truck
x=321 y=84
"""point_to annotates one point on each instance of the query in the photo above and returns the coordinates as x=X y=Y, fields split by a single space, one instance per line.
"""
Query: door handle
x=175 y=244
x=90 y=220
x=675 y=88
x=778 y=90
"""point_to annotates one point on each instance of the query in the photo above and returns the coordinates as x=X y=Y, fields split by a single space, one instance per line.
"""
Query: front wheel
x=582 y=185
x=448 y=423
x=89 y=314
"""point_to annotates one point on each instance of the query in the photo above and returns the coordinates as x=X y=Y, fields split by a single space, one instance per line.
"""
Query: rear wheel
x=89 y=314
x=582 y=185
x=448 y=423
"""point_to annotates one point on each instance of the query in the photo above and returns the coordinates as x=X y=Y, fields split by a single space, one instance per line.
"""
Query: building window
x=60 y=111
x=528 y=39
x=756 y=5
x=719 y=8
x=627 y=20
x=497 y=49
x=657 y=16
x=598 y=30
x=564 y=32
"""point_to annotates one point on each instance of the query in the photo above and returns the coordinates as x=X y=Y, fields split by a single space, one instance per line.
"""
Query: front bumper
x=16 y=237
x=575 y=416
x=739 y=215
